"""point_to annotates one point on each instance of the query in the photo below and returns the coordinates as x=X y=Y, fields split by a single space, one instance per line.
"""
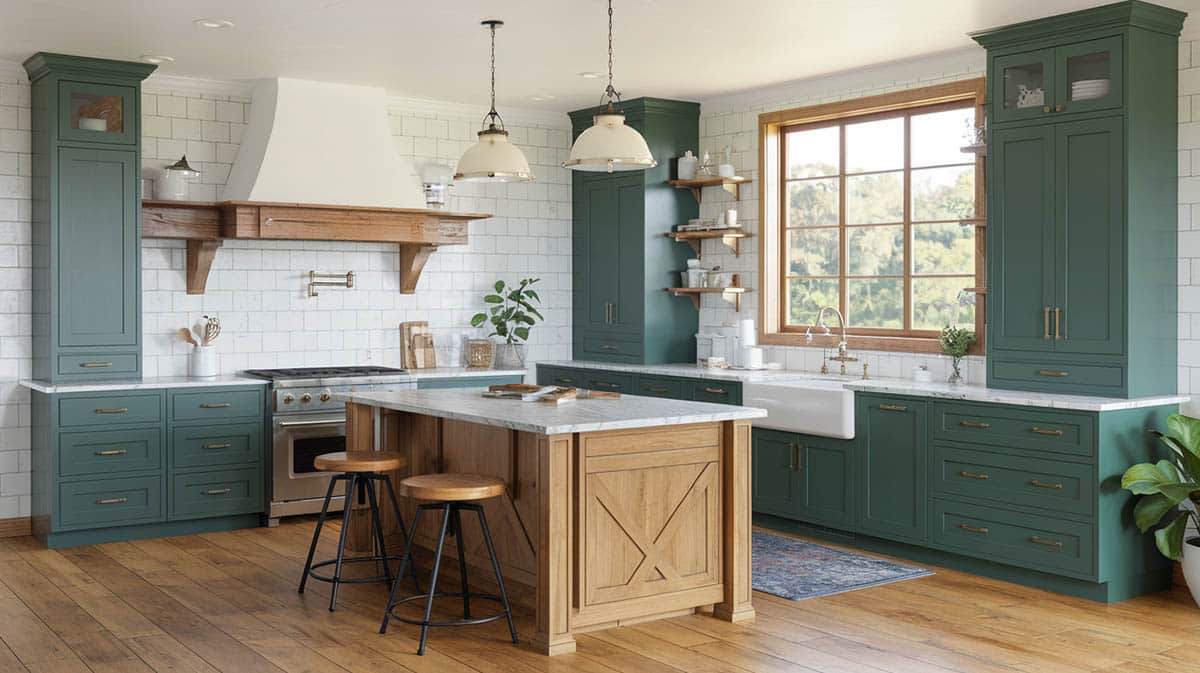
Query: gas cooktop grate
x=321 y=372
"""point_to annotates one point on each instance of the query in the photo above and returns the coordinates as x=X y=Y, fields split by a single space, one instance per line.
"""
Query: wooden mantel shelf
x=205 y=225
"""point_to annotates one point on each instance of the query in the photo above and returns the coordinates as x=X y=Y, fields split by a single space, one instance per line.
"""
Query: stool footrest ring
x=460 y=622
x=312 y=572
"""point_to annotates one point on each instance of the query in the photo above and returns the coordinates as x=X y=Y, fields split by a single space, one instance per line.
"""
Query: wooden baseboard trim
x=18 y=527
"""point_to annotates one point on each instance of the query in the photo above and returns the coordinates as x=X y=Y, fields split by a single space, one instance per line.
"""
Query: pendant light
x=493 y=158
x=609 y=145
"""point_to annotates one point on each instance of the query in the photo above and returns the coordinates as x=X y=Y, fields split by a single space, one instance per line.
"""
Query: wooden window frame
x=773 y=329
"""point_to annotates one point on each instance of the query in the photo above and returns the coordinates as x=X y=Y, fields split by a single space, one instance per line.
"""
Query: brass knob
x=1058 y=108
x=1045 y=108
x=305 y=398
x=289 y=398
x=326 y=395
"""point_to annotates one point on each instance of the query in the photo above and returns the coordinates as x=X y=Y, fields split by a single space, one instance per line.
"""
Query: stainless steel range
x=306 y=422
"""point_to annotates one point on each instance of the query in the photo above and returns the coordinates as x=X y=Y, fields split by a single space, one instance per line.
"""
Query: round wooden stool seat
x=452 y=487
x=360 y=461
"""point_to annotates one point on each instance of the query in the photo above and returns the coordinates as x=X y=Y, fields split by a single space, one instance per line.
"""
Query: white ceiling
x=691 y=49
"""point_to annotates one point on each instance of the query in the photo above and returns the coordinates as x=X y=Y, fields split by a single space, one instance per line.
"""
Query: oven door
x=296 y=441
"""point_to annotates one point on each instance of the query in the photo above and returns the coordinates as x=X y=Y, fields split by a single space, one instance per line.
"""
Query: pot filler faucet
x=843 y=357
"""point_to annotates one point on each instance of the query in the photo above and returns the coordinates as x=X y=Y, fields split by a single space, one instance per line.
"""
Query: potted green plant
x=1165 y=486
x=511 y=313
x=956 y=342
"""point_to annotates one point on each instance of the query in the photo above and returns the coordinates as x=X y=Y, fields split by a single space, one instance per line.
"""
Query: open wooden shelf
x=732 y=294
x=730 y=236
x=732 y=185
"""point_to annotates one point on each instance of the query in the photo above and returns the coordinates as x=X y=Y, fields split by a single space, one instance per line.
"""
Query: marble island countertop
x=584 y=415
x=891 y=386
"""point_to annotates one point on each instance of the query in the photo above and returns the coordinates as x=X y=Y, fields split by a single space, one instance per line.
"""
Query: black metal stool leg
x=351 y=480
x=312 y=548
x=462 y=560
x=437 y=562
x=408 y=545
x=377 y=523
x=387 y=480
x=487 y=538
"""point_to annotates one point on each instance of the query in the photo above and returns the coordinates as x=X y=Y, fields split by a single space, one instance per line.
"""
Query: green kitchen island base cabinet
x=1024 y=494
x=127 y=464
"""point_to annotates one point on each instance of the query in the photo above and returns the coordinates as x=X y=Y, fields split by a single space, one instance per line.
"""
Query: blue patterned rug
x=795 y=569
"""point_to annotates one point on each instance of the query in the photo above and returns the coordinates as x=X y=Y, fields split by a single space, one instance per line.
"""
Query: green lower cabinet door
x=775 y=473
x=1037 y=542
x=892 y=434
x=109 y=502
x=826 y=469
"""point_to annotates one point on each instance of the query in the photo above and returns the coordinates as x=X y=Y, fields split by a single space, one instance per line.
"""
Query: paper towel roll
x=748 y=332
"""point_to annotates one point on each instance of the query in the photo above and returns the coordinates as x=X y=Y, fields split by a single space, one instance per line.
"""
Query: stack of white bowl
x=1088 y=89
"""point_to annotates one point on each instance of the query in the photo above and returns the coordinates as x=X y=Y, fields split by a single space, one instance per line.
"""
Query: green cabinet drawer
x=1029 y=428
x=99 y=365
x=109 y=502
x=216 y=404
x=1035 y=542
x=607 y=381
x=467 y=382
x=216 y=445
x=610 y=346
x=557 y=376
x=1053 y=376
x=659 y=386
x=109 y=451
x=1047 y=484
x=196 y=495
x=722 y=392
x=104 y=409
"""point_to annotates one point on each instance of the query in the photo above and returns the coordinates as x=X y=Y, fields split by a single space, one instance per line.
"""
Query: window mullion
x=843 y=290
x=908 y=234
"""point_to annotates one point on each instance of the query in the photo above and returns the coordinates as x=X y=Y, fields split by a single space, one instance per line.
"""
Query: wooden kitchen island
x=617 y=510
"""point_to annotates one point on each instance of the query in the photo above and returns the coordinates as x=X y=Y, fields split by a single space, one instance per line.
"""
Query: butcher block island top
x=583 y=415
x=615 y=511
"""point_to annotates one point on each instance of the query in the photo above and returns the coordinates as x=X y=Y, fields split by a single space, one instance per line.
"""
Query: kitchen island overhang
x=616 y=511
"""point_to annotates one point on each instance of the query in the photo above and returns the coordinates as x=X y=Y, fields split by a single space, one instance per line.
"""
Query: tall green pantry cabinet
x=1082 y=214
x=622 y=260
x=86 y=122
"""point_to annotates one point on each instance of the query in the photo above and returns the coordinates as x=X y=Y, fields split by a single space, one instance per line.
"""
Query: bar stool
x=360 y=470
x=450 y=493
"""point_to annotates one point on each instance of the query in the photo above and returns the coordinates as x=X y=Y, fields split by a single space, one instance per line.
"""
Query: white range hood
x=321 y=143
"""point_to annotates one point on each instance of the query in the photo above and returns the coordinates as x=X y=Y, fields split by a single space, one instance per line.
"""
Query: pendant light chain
x=493 y=27
x=492 y=119
x=611 y=92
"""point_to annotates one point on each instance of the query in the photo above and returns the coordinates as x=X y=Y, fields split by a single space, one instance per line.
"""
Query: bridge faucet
x=843 y=356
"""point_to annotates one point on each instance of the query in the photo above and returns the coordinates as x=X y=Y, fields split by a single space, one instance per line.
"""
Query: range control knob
x=288 y=398
x=326 y=395
x=305 y=398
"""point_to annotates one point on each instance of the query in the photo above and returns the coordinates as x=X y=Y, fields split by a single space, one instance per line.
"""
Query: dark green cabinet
x=776 y=482
x=649 y=385
x=804 y=477
x=622 y=260
x=467 y=382
x=892 y=434
x=1081 y=191
x=86 y=225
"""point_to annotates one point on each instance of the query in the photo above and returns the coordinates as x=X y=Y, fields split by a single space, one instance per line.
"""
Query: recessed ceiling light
x=157 y=59
x=591 y=75
x=213 y=23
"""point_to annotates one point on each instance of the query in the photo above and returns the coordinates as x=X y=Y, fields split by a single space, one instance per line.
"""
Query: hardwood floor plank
x=117 y=616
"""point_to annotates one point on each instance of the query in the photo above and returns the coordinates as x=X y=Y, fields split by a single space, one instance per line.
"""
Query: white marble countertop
x=152 y=383
x=939 y=390
x=584 y=415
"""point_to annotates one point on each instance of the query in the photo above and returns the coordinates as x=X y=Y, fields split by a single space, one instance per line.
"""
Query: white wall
x=257 y=288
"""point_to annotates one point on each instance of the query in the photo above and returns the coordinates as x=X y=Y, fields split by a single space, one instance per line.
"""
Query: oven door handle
x=295 y=424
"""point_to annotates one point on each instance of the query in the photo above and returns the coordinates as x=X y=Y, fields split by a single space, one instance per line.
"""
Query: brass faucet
x=843 y=355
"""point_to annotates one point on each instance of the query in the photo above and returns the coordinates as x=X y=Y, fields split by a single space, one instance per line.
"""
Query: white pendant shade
x=609 y=145
x=493 y=159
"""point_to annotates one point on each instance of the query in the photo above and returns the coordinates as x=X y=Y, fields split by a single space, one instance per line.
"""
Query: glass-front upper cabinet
x=1090 y=75
x=97 y=113
x=1079 y=77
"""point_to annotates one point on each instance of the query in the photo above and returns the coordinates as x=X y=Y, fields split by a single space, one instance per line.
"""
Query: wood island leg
x=360 y=436
x=554 y=583
x=736 y=523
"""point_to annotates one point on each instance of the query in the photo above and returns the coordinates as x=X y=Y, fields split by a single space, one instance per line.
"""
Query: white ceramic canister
x=687 y=166
x=204 y=362
x=173 y=185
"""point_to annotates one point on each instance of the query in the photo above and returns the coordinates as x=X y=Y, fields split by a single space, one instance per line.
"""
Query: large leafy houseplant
x=511 y=313
x=1167 y=484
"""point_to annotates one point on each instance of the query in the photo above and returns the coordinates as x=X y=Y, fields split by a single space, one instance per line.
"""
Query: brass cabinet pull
x=795 y=448
x=975 y=424
x=215 y=405
x=218 y=491
x=893 y=407
x=1058 y=324
x=982 y=476
x=112 y=452
x=1056 y=373
x=95 y=365
x=217 y=446
x=1059 y=108
x=1043 y=541
x=614 y=312
x=1045 y=431
x=562 y=379
x=112 y=501
x=609 y=347
x=715 y=391
x=115 y=410
x=1046 y=484
x=1046 y=108
x=602 y=384
x=1046 y=317
x=973 y=529
x=658 y=389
